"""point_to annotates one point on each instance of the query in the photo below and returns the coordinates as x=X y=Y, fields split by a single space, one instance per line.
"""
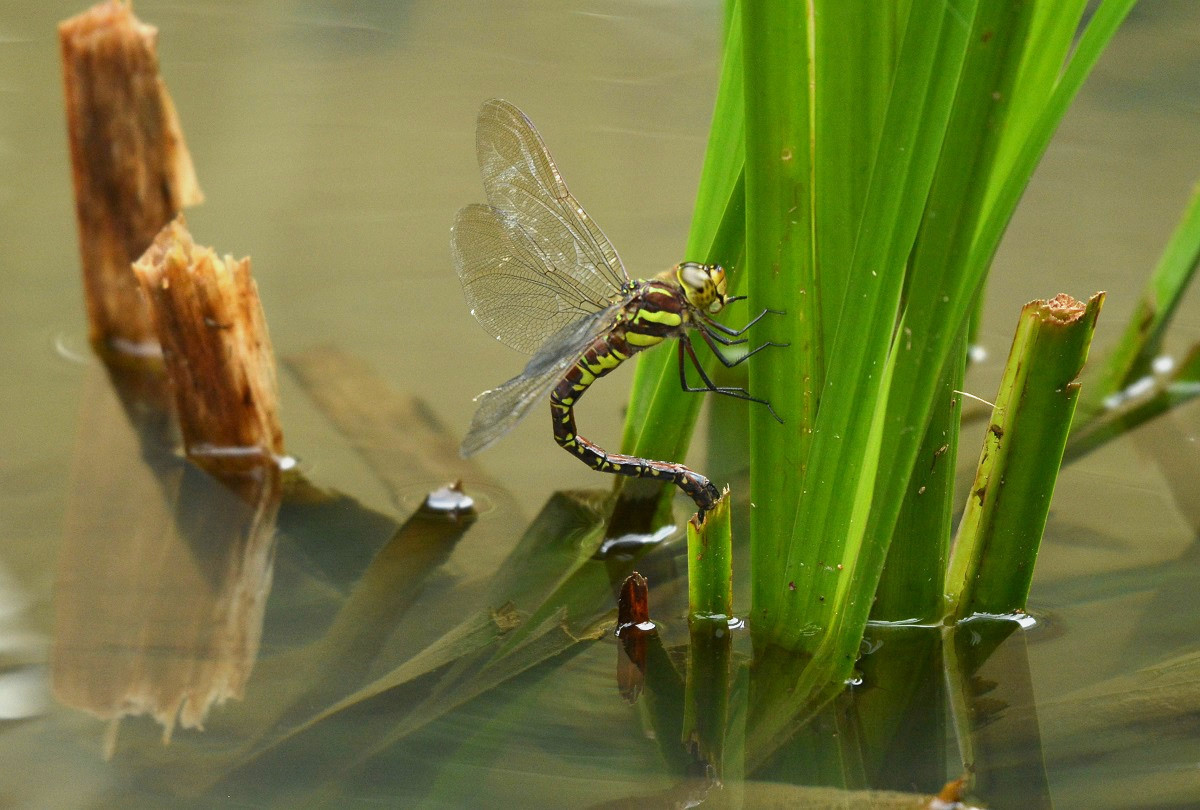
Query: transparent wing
x=532 y=261
x=501 y=408
x=515 y=300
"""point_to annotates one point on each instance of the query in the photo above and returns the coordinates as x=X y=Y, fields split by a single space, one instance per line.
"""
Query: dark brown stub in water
x=633 y=623
x=633 y=604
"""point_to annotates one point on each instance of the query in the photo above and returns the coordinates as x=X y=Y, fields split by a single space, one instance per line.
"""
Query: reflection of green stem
x=662 y=704
x=710 y=563
x=899 y=711
x=997 y=544
x=547 y=598
x=706 y=693
x=994 y=710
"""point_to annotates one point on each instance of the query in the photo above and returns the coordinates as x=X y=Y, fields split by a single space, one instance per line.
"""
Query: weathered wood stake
x=132 y=171
x=216 y=349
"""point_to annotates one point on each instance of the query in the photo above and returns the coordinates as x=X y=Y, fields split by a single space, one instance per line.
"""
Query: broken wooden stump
x=131 y=168
x=216 y=349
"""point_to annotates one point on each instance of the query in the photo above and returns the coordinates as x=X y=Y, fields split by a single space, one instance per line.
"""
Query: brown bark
x=216 y=350
x=131 y=169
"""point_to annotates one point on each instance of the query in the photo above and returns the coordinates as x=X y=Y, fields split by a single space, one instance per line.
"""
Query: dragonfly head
x=703 y=285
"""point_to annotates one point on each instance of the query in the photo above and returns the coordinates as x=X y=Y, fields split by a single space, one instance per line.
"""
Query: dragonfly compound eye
x=717 y=273
x=694 y=277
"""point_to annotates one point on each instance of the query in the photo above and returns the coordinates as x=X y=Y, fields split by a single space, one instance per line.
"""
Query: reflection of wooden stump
x=131 y=168
x=162 y=578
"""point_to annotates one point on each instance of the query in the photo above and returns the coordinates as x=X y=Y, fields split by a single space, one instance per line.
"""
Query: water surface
x=334 y=144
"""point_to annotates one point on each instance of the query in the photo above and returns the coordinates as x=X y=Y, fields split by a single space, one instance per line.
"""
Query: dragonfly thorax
x=703 y=285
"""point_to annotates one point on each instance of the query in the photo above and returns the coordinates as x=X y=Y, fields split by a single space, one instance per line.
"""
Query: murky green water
x=334 y=143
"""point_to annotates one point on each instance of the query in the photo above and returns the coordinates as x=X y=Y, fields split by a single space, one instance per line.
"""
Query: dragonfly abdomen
x=643 y=324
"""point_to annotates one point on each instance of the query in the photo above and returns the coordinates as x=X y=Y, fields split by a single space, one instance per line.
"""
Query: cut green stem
x=710 y=563
x=991 y=565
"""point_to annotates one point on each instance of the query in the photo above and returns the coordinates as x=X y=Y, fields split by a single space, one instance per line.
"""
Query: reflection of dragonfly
x=541 y=277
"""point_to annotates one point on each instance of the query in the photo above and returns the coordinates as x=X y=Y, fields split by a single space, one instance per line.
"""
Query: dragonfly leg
x=720 y=327
x=692 y=483
x=685 y=345
x=712 y=339
x=719 y=338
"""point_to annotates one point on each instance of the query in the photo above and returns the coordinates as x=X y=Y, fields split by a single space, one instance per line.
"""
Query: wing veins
x=501 y=408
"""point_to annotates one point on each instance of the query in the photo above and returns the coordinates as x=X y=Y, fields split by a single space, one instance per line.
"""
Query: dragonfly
x=541 y=277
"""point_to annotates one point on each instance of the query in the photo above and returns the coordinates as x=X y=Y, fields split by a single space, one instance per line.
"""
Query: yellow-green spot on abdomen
x=605 y=362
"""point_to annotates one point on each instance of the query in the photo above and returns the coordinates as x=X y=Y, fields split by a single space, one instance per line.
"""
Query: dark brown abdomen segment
x=605 y=354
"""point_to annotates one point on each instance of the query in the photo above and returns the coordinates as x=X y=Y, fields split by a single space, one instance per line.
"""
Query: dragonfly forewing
x=521 y=179
x=513 y=298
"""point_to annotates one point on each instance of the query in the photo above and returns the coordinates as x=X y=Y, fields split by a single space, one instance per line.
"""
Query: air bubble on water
x=449 y=500
x=1139 y=387
x=1163 y=364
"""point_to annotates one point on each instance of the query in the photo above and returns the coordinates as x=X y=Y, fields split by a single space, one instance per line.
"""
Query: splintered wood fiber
x=131 y=169
x=215 y=346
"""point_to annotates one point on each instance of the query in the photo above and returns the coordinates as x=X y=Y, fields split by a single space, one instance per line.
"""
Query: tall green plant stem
x=911 y=583
x=820 y=578
x=777 y=39
x=940 y=296
x=912 y=587
x=872 y=212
